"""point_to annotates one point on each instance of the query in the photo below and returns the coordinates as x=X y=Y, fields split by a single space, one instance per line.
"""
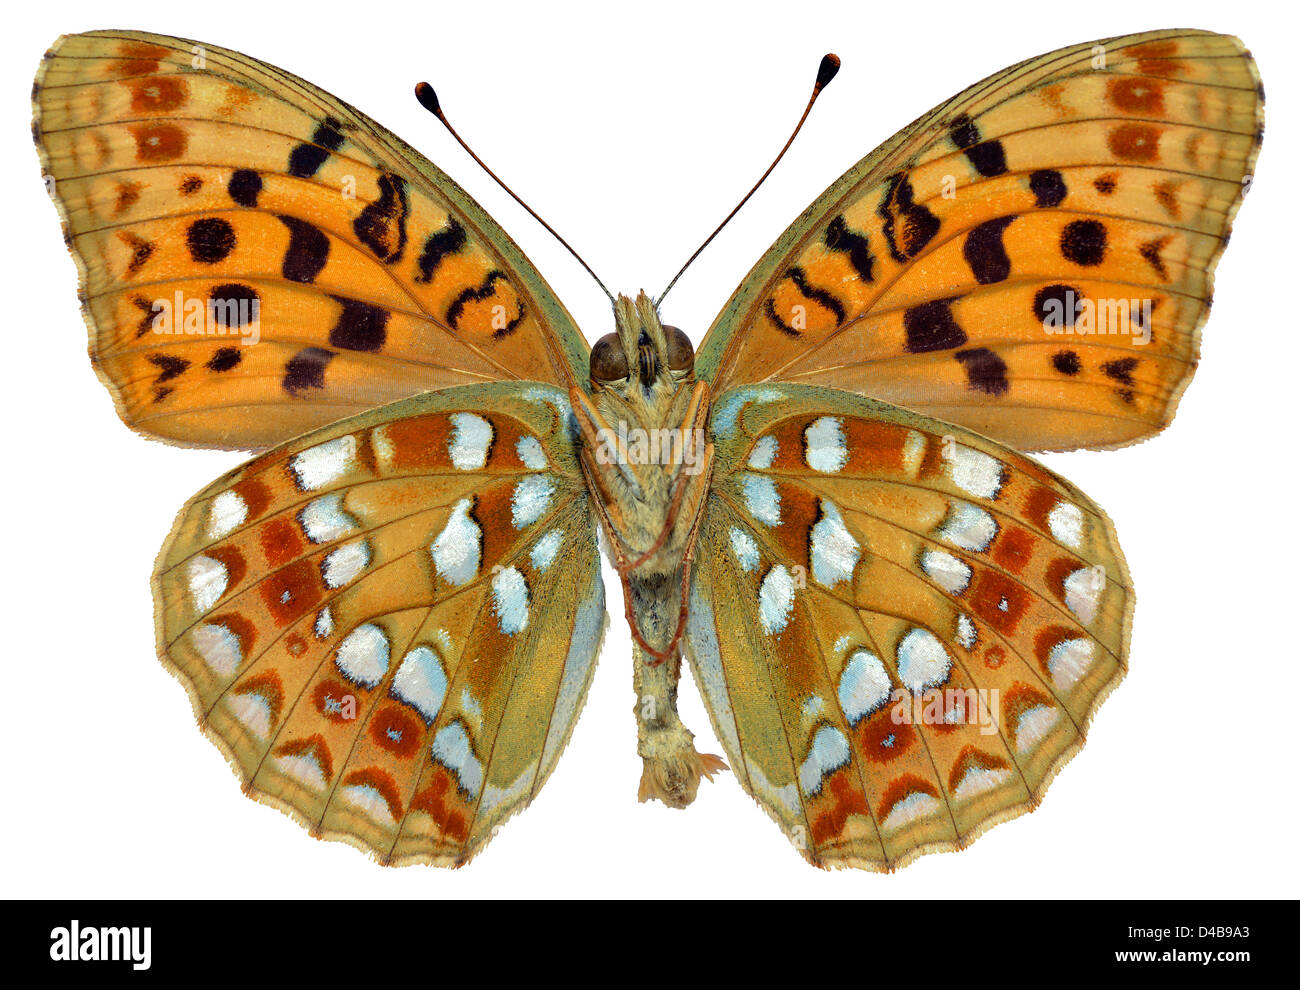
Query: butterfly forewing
x=389 y=625
x=1033 y=259
x=901 y=629
x=259 y=258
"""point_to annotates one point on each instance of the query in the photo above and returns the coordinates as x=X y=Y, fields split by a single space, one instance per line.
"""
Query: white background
x=633 y=129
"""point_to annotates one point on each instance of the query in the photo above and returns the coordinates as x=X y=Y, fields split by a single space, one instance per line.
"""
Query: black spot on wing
x=233 y=305
x=169 y=365
x=1084 y=242
x=244 y=187
x=1057 y=305
x=987 y=157
x=1066 y=362
x=382 y=224
x=985 y=371
x=308 y=251
x=908 y=226
x=985 y=252
x=224 y=359
x=931 y=327
x=306 y=159
x=443 y=242
x=478 y=294
x=840 y=238
x=799 y=277
x=360 y=326
x=210 y=240
x=1048 y=187
x=305 y=370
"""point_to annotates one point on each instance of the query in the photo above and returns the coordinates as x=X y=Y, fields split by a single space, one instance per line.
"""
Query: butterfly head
x=641 y=354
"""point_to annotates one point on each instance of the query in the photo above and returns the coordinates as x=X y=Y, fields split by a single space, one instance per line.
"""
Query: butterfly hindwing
x=389 y=625
x=1033 y=259
x=901 y=629
x=258 y=258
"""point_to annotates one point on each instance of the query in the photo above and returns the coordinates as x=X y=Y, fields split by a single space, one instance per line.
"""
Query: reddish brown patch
x=1057 y=571
x=1135 y=142
x=882 y=740
x=328 y=699
x=280 y=541
x=419 y=444
x=1013 y=549
x=296 y=645
x=233 y=561
x=395 y=732
x=141 y=250
x=874 y=448
x=907 y=784
x=848 y=800
x=157 y=94
x=1155 y=58
x=158 y=142
x=961 y=709
x=1167 y=197
x=243 y=629
x=433 y=801
x=1136 y=95
x=291 y=592
x=256 y=495
x=970 y=759
x=990 y=592
x=494 y=512
x=1039 y=504
x=190 y=185
x=381 y=782
x=1019 y=699
x=128 y=194
x=994 y=657
x=267 y=686
x=1047 y=640
x=1105 y=184
x=311 y=746
x=800 y=509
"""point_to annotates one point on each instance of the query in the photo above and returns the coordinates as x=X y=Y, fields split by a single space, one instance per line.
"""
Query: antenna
x=429 y=100
x=830 y=65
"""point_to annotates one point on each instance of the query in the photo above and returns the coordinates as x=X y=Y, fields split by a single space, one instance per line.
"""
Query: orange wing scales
x=1032 y=260
x=919 y=623
x=389 y=626
x=300 y=261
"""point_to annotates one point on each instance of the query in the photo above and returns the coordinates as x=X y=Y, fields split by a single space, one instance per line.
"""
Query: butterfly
x=901 y=625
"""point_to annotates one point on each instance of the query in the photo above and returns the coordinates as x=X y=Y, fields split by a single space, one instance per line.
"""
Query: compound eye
x=608 y=359
x=681 y=355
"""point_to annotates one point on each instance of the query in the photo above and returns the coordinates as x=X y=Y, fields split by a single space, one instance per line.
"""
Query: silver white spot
x=421 y=682
x=966 y=631
x=325 y=463
x=1033 y=725
x=916 y=805
x=1066 y=524
x=207 y=579
x=226 y=513
x=824 y=446
x=324 y=623
x=219 y=648
x=762 y=499
x=531 y=499
x=1069 y=660
x=968 y=527
x=829 y=751
x=362 y=657
x=835 y=552
x=763 y=454
x=510 y=600
x=324 y=519
x=531 y=453
x=341 y=566
x=545 y=549
x=950 y=573
x=451 y=747
x=864 y=686
x=922 y=660
x=775 y=599
x=745 y=549
x=457 y=551
x=471 y=437
x=1083 y=591
x=974 y=471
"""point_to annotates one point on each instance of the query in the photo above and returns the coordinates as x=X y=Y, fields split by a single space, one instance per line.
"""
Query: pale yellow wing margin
x=388 y=626
x=258 y=258
x=901 y=629
x=1032 y=259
